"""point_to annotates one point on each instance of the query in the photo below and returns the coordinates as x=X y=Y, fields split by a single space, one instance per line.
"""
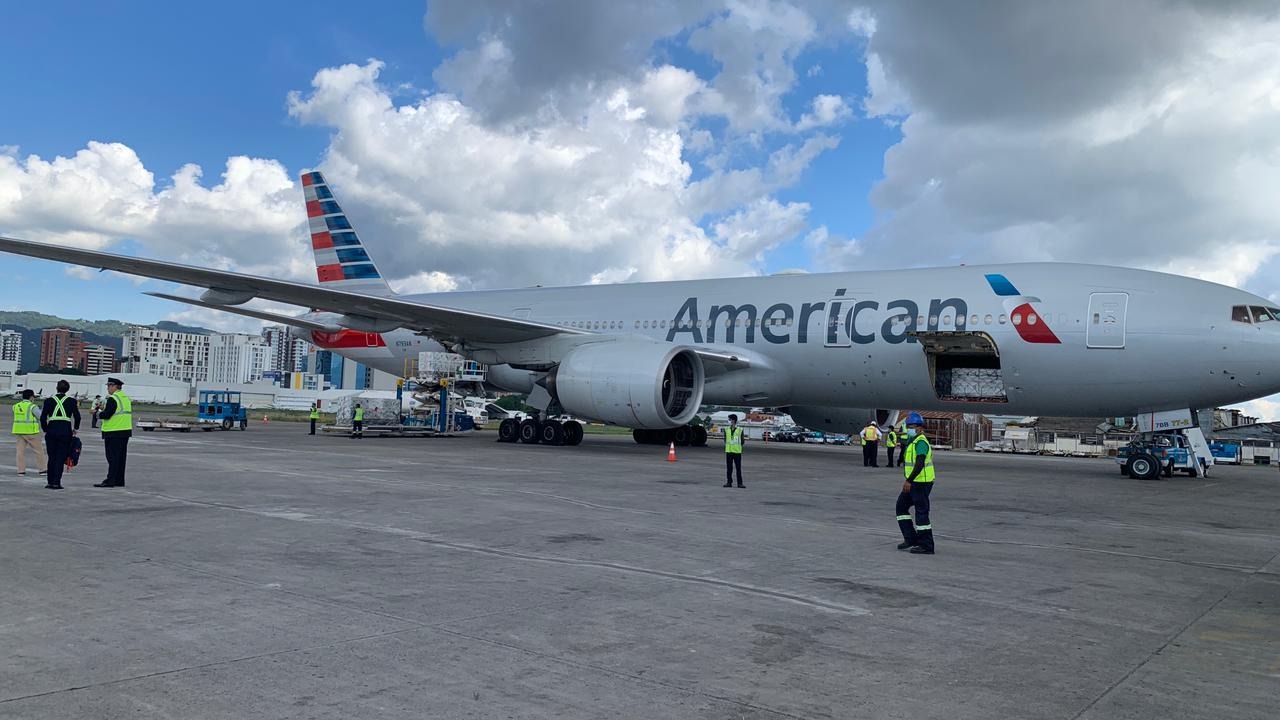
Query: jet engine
x=629 y=383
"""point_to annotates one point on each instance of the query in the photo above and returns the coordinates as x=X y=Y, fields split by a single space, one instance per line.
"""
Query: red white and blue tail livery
x=341 y=259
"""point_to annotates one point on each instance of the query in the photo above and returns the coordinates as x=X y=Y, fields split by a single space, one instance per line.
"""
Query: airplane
x=830 y=348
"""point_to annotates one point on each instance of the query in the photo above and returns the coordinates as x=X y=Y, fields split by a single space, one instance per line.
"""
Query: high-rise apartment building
x=61 y=348
x=239 y=358
x=176 y=355
x=11 y=346
x=98 y=360
x=290 y=352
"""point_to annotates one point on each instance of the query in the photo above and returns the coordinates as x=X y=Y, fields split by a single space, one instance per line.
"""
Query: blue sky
x=199 y=83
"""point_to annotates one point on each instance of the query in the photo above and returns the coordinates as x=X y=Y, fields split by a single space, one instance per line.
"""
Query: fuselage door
x=1106 y=321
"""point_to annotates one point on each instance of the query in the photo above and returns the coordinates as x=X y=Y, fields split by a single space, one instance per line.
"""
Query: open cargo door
x=964 y=366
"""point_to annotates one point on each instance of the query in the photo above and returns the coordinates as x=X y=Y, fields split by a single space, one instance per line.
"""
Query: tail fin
x=341 y=260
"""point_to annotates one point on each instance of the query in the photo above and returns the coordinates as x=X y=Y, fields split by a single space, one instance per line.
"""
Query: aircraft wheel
x=683 y=436
x=573 y=433
x=699 y=436
x=1143 y=467
x=552 y=433
x=640 y=436
x=530 y=432
x=509 y=430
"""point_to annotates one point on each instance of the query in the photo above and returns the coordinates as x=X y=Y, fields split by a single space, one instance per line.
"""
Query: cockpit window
x=1240 y=313
x=1260 y=314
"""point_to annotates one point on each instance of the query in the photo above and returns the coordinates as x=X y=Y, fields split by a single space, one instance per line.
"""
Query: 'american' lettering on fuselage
x=778 y=321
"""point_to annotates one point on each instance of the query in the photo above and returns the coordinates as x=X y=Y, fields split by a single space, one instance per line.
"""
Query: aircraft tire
x=683 y=436
x=640 y=436
x=552 y=433
x=530 y=432
x=573 y=433
x=509 y=430
x=699 y=436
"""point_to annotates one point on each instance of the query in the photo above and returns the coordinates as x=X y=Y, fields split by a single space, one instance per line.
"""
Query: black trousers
x=732 y=462
x=95 y=419
x=58 y=447
x=888 y=447
x=869 y=454
x=902 y=455
x=313 y=426
x=357 y=428
x=117 y=445
x=921 y=532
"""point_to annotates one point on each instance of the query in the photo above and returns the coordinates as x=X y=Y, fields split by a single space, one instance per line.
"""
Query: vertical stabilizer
x=341 y=259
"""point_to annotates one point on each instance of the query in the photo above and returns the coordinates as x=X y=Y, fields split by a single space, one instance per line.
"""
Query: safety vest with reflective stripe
x=59 y=411
x=359 y=414
x=868 y=434
x=315 y=413
x=733 y=440
x=892 y=439
x=909 y=457
x=24 y=419
x=122 y=418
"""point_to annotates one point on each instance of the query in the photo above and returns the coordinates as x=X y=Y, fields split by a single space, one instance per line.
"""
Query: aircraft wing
x=249 y=312
x=442 y=323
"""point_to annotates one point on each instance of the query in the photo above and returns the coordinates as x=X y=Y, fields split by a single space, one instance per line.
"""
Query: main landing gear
x=686 y=436
x=547 y=432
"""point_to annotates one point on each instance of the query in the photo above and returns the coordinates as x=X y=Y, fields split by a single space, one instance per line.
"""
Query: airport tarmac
x=268 y=574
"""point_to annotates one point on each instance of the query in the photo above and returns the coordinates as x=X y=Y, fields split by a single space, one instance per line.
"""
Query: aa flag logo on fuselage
x=1026 y=321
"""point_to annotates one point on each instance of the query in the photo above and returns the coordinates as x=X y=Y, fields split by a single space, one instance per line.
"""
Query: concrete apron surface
x=269 y=574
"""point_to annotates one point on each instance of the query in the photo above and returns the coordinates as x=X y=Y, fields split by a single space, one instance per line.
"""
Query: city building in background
x=61 y=348
x=11 y=346
x=290 y=352
x=97 y=360
x=174 y=355
x=239 y=358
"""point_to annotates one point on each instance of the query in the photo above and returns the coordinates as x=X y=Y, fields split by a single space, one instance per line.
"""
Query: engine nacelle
x=635 y=384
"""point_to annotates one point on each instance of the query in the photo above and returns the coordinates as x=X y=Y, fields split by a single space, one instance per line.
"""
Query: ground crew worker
x=357 y=422
x=117 y=428
x=890 y=443
x=917 y=537
x=60 y=420
x=902 y=445
x=26 y=431
x=870 y=437
x=733 y=452
x=315 y=415
x=95 y=408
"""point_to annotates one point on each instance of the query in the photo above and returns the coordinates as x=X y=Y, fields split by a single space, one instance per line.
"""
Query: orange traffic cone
x=671 y=453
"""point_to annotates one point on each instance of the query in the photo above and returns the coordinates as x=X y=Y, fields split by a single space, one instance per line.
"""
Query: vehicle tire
x=699 y=436
x=1124 y=470
x=1168 y=470
x=244 y=424
x=1143 y=467
x=509 y=430
x=530 y=432
x=573 y=433
x=551 y=433
x=683 y=436
x=226 y=423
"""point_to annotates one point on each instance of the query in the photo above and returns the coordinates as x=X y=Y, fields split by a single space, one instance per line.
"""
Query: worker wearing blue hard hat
x=917 y=535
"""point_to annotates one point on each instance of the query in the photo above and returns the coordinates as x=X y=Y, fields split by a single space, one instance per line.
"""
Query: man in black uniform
x=60 y=420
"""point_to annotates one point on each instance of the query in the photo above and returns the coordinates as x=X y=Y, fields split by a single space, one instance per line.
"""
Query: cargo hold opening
x=964 y=366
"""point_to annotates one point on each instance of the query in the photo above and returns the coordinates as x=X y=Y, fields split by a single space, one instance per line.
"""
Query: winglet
x=341 y=259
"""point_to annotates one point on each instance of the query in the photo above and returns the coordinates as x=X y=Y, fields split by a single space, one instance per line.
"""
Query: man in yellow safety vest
x=891 y=443
x=733 y=452
x=918 y=536
x=870 y=437
x=117 y=428
x=315 y=415
x=357 y=422
x=26 y=431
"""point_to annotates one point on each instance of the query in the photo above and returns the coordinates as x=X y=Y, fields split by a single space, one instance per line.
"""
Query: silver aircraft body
x=1028 y=339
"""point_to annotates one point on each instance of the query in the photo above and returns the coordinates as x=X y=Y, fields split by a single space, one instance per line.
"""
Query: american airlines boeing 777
x=1034 y=338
